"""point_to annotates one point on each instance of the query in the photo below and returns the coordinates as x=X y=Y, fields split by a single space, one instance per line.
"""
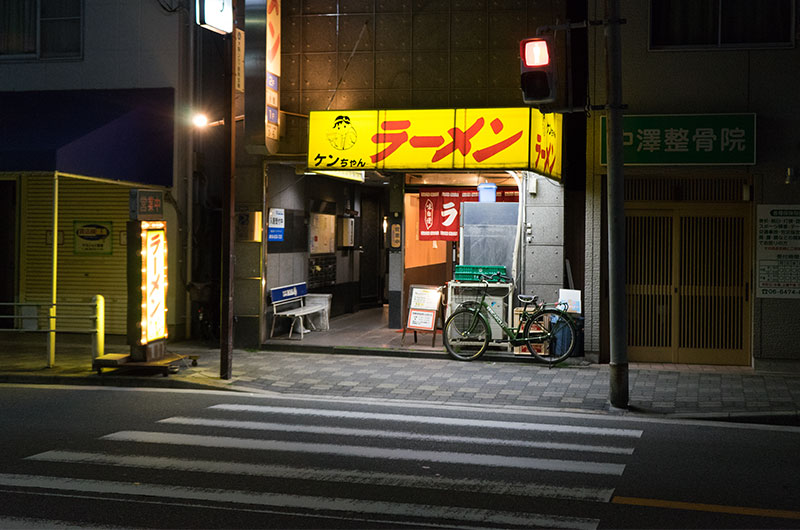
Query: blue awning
x=122 y=135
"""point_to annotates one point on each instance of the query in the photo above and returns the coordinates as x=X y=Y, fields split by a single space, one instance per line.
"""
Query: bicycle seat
x=527 y=298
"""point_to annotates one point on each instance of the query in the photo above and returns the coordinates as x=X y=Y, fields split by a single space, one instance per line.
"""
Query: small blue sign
x=272 y=81
x=277 y=222
x=272 y=115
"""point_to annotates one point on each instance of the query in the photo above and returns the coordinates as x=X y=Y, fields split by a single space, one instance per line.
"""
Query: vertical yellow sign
x=546 y=144
x=154 y=281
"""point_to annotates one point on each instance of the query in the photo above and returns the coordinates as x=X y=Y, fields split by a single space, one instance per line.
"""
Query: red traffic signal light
x=537 y=78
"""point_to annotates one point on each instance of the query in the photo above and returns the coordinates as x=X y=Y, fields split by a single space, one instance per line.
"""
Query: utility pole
x=617 y=309
x=228 y=198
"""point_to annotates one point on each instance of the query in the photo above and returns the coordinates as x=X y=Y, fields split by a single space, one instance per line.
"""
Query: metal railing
x=92 y=323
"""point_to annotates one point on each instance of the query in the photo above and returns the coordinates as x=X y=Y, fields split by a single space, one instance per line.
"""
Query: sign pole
x=228 y=208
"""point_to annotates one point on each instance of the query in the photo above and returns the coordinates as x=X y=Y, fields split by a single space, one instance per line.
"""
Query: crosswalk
x=367 y=463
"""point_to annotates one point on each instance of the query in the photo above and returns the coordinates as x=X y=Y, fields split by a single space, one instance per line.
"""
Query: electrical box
x=346 y=233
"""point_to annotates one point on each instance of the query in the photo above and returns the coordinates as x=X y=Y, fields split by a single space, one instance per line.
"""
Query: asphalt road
x=104 y=457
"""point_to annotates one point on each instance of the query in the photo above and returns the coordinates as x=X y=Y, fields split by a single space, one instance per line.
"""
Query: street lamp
x=200 y=120
x=218 y=16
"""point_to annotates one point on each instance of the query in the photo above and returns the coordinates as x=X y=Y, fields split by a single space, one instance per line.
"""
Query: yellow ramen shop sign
x=502 y=138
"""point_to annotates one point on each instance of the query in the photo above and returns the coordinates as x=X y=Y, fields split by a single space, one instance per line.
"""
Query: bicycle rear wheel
x=466 y=335
x=551 y=336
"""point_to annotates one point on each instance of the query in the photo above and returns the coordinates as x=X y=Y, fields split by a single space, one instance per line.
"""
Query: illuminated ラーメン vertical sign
x=154 y=281
x=262 y=79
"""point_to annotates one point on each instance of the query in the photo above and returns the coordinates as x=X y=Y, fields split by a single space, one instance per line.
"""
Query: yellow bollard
x=99 y=339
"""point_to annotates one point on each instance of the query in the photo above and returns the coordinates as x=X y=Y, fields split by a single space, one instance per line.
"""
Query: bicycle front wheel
x=466 y=335
x=551 y=336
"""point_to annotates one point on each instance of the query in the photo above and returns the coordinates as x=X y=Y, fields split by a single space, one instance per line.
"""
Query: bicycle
x=549 y=332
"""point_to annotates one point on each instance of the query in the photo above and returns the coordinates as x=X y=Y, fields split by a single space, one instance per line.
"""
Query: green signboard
x=686 y=139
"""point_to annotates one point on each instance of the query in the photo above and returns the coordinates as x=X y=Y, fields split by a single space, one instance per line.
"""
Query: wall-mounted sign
x=93 y=237
x=216 y=15
x=146 y=205
x=273 y=68
x=396 y=236
x=238 y=77
x=321 y=233
x=778 y=251
x=262 y=74
x=686 y=139
x=277 y=224
x=518 y=138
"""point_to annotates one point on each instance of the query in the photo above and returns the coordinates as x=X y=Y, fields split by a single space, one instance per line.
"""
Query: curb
x=110 y=380
x=407 y=353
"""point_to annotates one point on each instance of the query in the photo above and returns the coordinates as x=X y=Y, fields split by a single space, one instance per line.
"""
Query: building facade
x=92 y=101
x=711 y=200
x=358 y=56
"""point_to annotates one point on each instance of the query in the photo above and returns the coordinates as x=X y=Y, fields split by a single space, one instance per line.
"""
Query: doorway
x=372 y=266
x=688 y=271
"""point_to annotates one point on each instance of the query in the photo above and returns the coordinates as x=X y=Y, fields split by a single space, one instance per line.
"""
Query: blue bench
x=294 y=302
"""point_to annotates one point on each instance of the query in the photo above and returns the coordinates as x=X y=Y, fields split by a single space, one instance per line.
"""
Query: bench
x=294 y=302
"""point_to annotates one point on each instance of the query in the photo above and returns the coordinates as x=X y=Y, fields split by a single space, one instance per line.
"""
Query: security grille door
x=649 y=286
x=687 y=286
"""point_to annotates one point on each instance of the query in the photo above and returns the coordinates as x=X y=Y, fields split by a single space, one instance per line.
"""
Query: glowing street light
x=200 y=120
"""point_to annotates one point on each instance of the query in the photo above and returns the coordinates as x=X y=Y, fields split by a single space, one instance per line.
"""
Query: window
x=44 y=29
x=702 y=24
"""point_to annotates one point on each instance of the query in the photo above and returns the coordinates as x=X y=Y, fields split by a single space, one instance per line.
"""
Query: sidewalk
x=423 y=373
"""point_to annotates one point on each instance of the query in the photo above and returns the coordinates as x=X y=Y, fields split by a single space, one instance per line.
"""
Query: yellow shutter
x=80 y=275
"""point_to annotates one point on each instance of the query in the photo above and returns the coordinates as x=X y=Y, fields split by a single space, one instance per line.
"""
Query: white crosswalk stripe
x=374 y=433
x=437 y=420
x=295 y=501
x=374 y=478
x=384 y=452
x=364 y=451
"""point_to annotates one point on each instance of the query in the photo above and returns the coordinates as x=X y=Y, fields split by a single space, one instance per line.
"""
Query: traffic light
x=537 y=76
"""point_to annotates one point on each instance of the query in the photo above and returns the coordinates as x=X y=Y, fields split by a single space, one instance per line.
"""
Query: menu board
x=424 y=302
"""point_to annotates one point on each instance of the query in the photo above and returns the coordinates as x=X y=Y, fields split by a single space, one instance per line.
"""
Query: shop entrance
x=426 y=262
x=688 y=271
x=432 y=209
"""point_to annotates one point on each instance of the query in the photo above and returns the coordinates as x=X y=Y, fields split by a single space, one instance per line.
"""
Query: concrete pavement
x=424 y=373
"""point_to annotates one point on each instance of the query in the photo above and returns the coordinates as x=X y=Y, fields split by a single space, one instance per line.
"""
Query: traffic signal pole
x=538 y=87
x=617 y=305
